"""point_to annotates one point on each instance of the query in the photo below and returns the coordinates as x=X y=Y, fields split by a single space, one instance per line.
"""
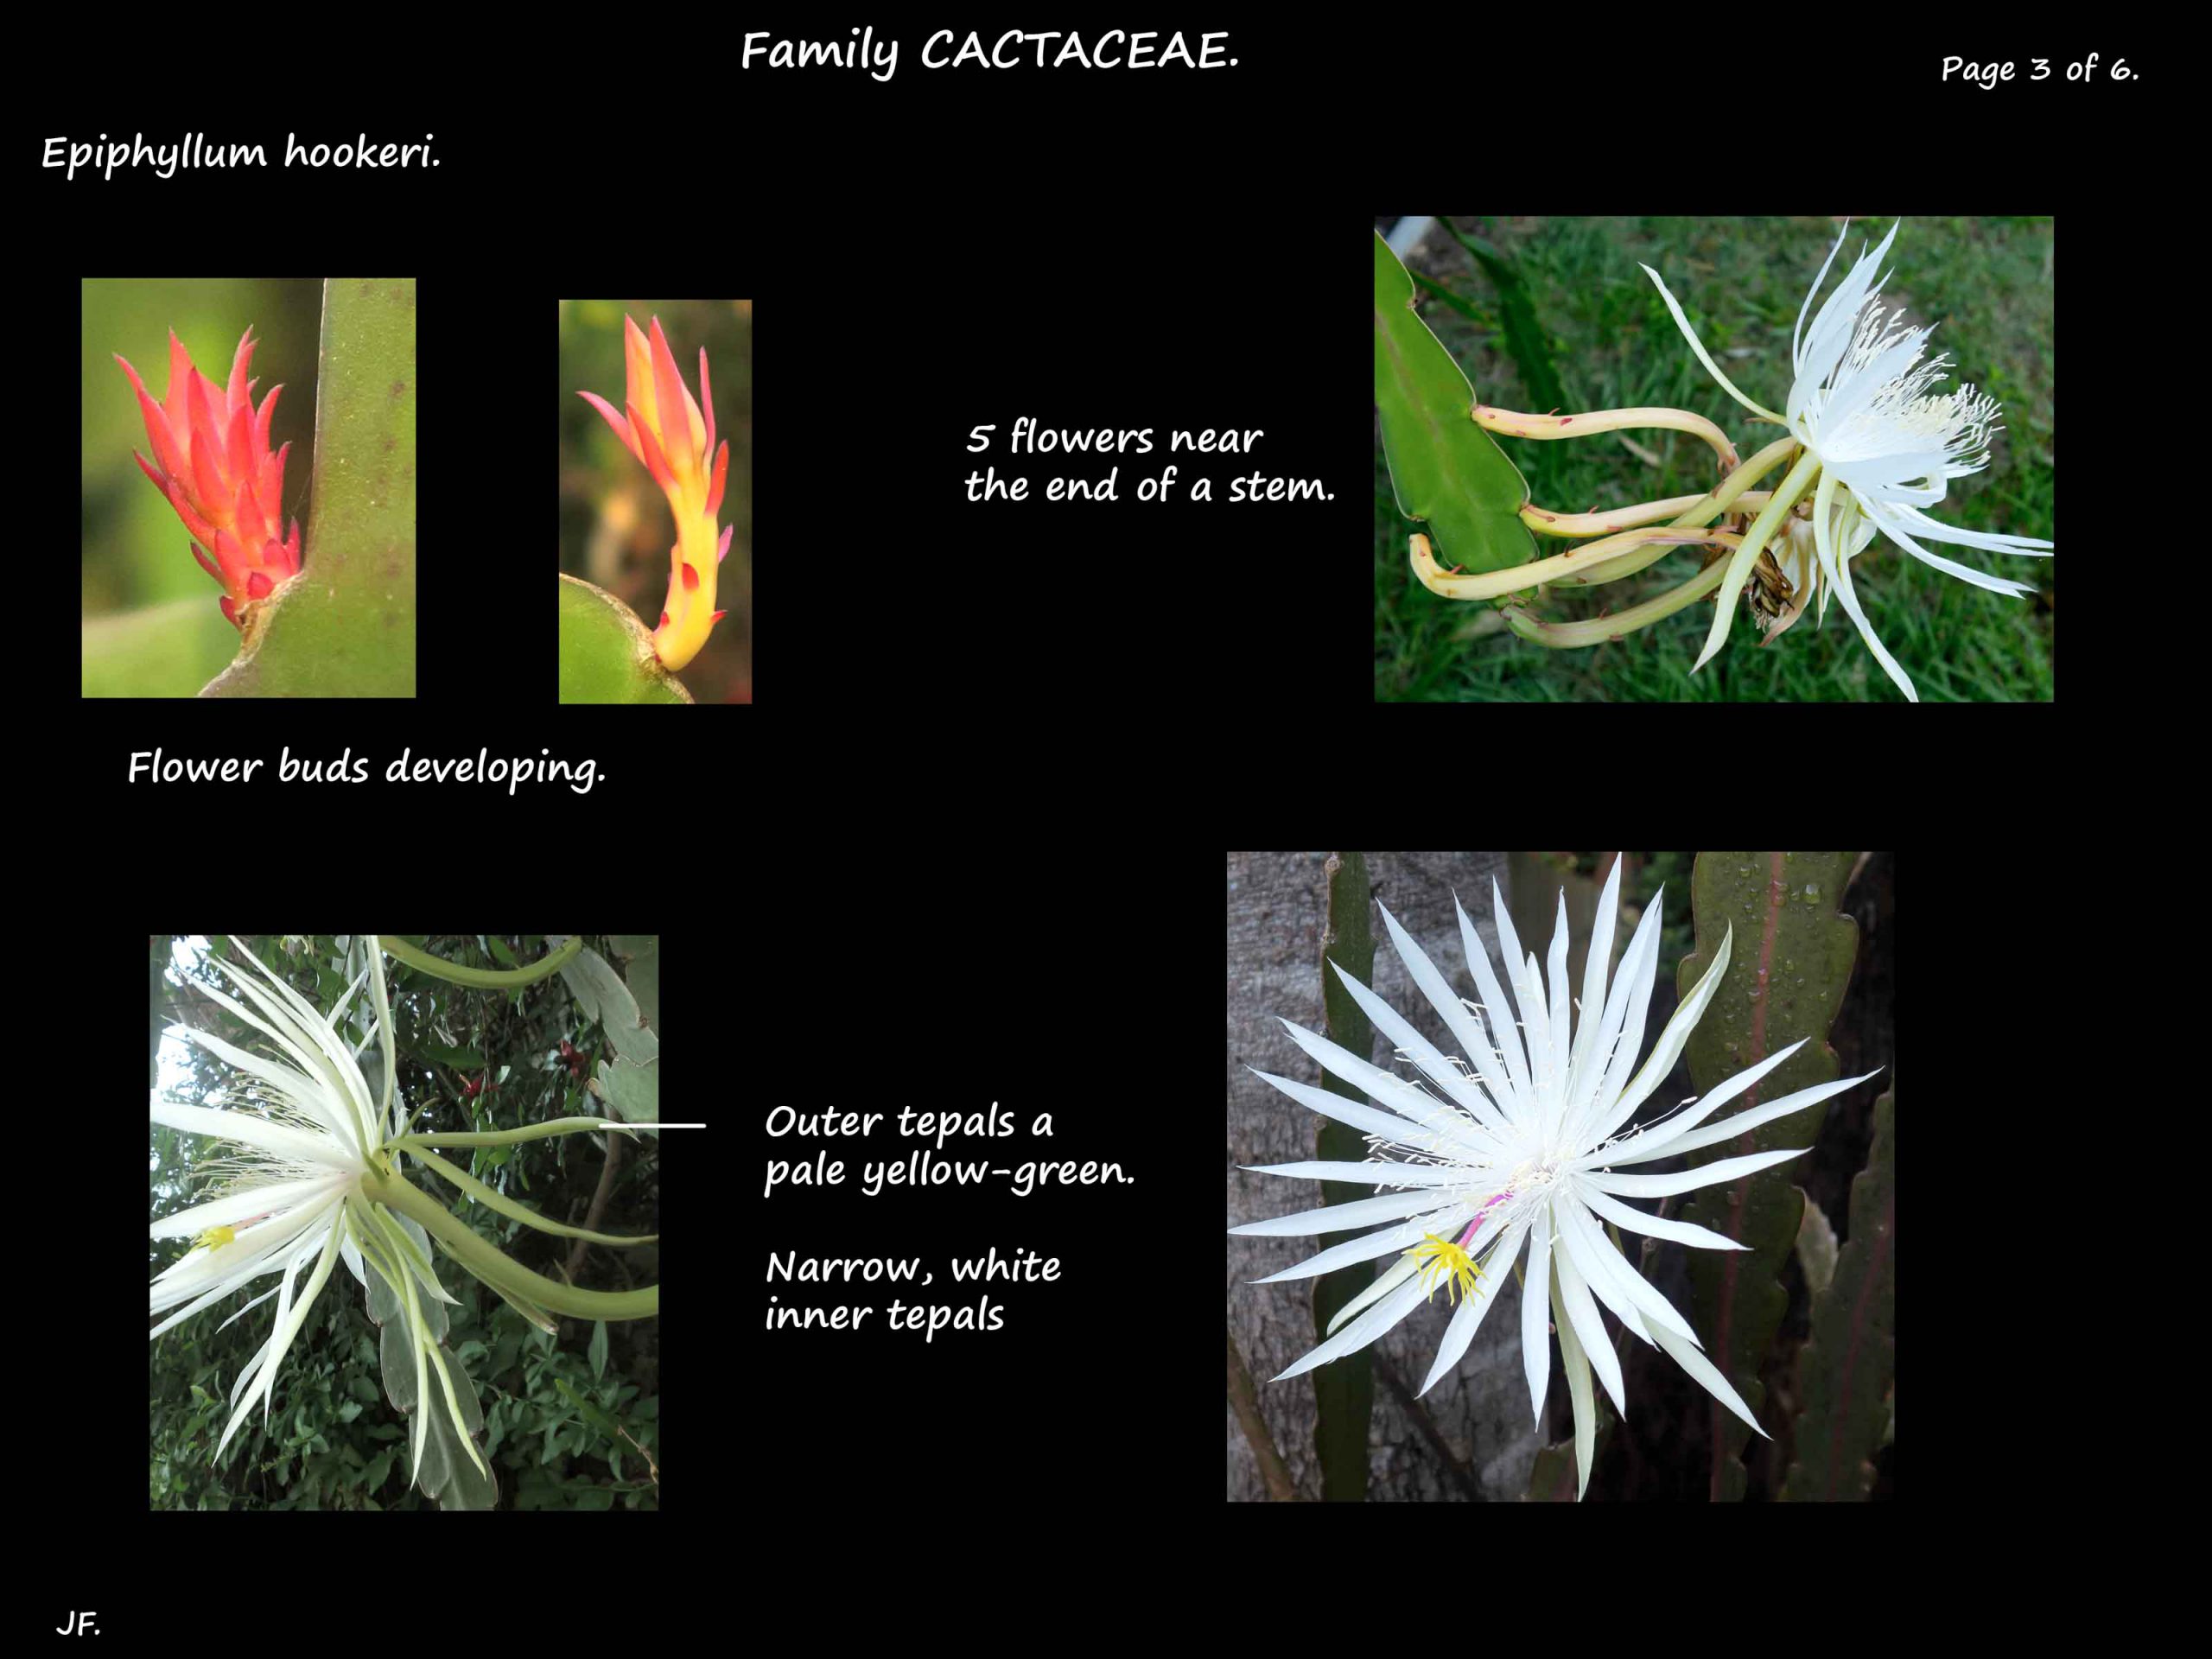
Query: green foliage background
x=570 y=1422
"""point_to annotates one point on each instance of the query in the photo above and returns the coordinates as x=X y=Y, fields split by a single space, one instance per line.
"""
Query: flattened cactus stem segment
x=1446 y=474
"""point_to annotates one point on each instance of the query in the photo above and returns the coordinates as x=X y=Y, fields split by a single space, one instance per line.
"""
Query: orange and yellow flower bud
x=665 y=429
x=211 y=447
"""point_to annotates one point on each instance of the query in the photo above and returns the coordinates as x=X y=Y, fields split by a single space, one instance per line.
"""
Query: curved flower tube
x=1616 y=624
x=484 y=979
x=1514 y=425
x=1519 y=577
x=1731 y=498
x=665 y=428
x=1522 y=1146
x=1617 y=519
x=212 y=445
x=1618 y=555
x=1880 y=445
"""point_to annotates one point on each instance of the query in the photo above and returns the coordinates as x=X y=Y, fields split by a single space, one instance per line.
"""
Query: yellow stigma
x=1442 y=1260
x=214 y=1239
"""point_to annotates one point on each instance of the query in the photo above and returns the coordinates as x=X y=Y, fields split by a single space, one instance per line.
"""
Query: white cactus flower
x=1881 y=444
x=1524 y=1147
x=306 y=1129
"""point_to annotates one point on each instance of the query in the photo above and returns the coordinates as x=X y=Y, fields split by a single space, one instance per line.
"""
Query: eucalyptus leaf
x=607 y=1001
x=631 y=1092
x=641 y=971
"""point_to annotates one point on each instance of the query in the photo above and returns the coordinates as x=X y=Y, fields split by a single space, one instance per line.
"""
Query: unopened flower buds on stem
x=214 y=466
x=674 y=435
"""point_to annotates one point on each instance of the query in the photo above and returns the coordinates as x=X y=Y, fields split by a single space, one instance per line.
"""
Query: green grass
x=1986 y=282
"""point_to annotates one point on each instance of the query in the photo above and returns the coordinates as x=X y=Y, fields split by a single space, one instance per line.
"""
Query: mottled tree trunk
x=1471 y=1434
